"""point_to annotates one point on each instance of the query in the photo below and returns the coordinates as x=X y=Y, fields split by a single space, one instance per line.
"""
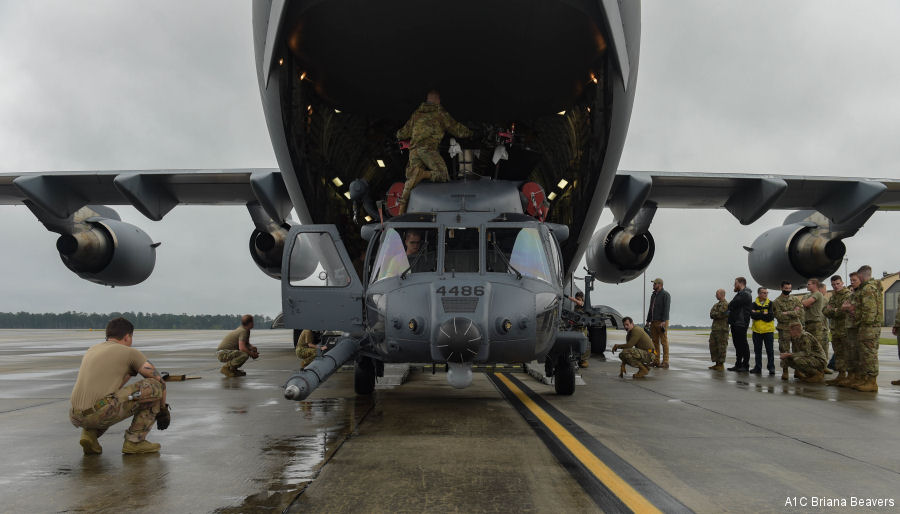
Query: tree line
x=141 y=320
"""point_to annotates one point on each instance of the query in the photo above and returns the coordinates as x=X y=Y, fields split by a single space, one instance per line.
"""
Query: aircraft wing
x=152 y=192
x=747 y=197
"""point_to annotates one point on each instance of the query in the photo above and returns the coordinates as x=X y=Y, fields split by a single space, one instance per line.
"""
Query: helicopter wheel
x=564 y=376
x=364 y=376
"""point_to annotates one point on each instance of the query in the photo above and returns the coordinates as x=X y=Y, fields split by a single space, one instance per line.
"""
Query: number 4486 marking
x=461 y=291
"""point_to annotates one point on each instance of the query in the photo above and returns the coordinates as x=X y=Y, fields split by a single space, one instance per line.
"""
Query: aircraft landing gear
x=364 y=376
x=564 y=375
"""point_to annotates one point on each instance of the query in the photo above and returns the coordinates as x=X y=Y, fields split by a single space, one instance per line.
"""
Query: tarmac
x=700 y=440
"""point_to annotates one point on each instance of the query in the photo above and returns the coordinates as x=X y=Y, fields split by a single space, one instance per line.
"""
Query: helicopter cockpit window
x=461 y=250
x=315 y=262
x=518 y=251
x=412 y=249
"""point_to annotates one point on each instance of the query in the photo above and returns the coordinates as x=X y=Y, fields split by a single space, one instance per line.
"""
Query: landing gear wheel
x=564 y=376
x=364 y=376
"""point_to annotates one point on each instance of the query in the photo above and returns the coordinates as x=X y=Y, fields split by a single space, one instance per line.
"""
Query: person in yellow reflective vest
x=763 y=327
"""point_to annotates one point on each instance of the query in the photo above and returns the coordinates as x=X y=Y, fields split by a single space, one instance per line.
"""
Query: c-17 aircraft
x=487 y=284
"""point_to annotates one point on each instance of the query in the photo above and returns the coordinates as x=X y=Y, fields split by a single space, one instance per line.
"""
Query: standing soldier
x=658 y=316
x=718 y=335
x=851 y=340
x=787 y=310
x=896 y=332
x=868 y=314
x=838 y=319
x=637 y=351
x=807 y=357
x=578 y=306
x=425 y=129
x=813 y=303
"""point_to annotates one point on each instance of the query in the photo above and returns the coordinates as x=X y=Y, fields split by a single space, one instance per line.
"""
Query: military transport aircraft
x=499 y=242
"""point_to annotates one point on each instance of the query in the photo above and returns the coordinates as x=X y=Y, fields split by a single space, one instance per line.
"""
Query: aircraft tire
x=364 y=376
x=564 y=376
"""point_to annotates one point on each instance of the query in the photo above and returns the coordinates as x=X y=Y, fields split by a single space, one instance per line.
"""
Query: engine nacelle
x=794 y=252
x=267 y=249
x=109 y=252
x=617 y=254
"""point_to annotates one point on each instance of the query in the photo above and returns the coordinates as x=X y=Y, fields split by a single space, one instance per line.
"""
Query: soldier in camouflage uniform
x=788 y=309
x=896 y=332
x=425 y=129
x=814 y=321
x=807 y=357
x=850 y=341
x=868 y=313
x=718 y=335
x=235 y=348
x=839 y=320
x=307 y=349
x=100 y=398
x=637 y=351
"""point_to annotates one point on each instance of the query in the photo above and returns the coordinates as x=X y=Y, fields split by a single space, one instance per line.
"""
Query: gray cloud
x=769 y=87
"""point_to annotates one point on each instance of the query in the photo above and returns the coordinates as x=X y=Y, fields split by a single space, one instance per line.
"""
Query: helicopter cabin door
x=320 y=289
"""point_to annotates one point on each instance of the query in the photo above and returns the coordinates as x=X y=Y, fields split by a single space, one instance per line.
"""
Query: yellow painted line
x=631 y=498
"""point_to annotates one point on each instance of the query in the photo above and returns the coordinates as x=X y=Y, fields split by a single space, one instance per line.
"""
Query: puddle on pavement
x=300 y=458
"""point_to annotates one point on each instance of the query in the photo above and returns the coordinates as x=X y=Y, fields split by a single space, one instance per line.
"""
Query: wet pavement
x=716 y=441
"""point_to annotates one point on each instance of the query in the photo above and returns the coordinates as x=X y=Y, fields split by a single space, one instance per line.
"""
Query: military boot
x=89 y=442
x=622 y=371
x=583 y=364
x=834 y=381
x=238 y=372
x=868 y=385
x=642 y=371
x=144 y=446
x=227 y=370
x=718 y=366
x=847 y=380
x=784 y=374
x=895 y=382
x=814 y=378
x=858 y=379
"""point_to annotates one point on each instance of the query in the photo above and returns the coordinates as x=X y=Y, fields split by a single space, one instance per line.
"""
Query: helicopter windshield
x=410 y=249
x=518 y=250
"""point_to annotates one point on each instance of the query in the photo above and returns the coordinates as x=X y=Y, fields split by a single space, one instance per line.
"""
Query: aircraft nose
x=458 y=339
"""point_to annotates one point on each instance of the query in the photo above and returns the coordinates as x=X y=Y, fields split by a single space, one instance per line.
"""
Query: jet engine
x=795 y=252
x=618 y=254
x=108 y=252
x=267 y=249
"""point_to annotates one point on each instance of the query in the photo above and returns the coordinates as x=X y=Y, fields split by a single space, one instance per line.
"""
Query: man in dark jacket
x=739 y=319
x=658 y=317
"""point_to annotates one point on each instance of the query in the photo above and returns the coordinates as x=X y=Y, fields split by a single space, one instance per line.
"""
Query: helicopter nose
x=458 y=340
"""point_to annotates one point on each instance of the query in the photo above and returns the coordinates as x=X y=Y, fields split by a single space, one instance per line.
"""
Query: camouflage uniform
x=839 y=320
x=785 y=313
x=115 y=407
x=425 y=129
x=808 y=356
x=814 y=322
x=304 y=352
x=638 y=350
x=869 y=316
x=718 y=335
x=232 y=358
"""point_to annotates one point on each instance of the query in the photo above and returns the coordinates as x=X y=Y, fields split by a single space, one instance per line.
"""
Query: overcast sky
x=800 y=87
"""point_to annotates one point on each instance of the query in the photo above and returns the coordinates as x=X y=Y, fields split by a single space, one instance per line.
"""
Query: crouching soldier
x=637 y=350
x=308 y=347
x=235 y=348
x=100 y=398
x=807 y=358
